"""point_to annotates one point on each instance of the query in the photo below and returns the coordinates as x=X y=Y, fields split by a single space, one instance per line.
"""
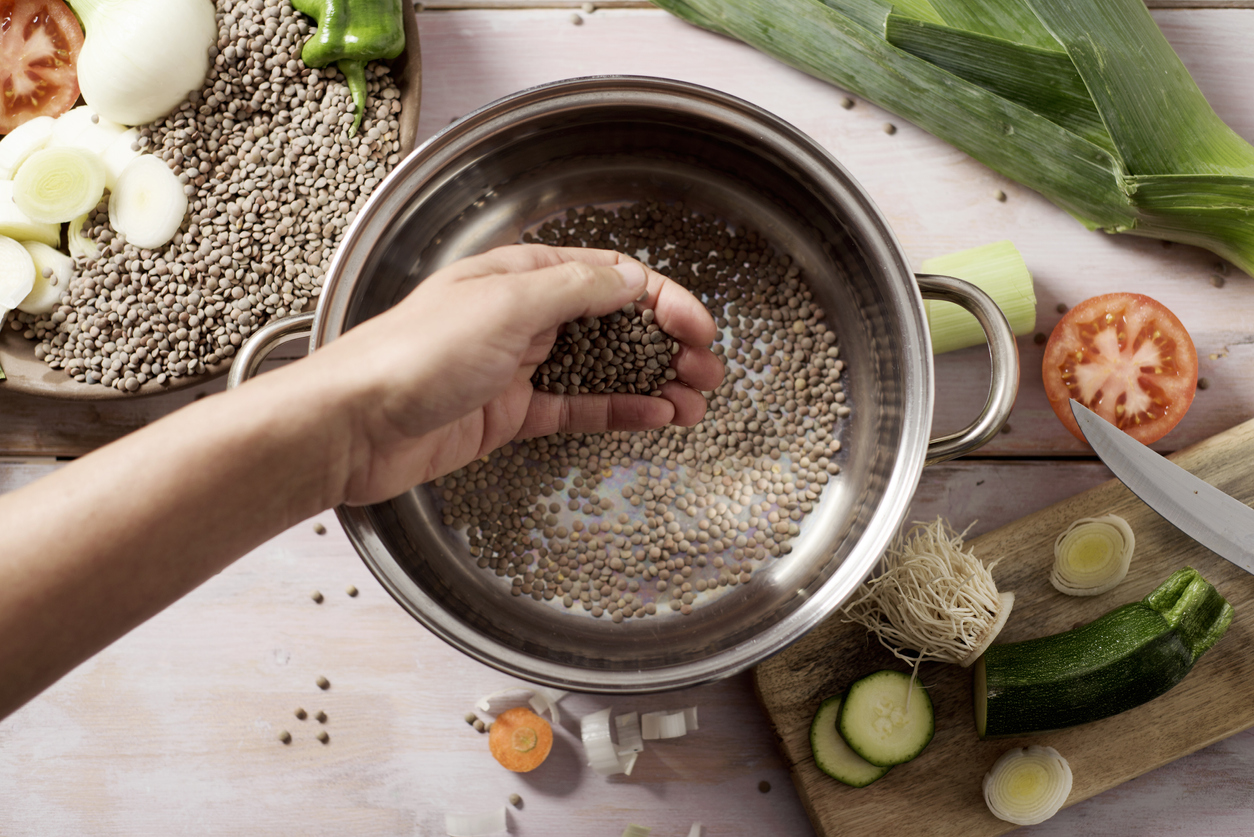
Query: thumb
x=550 y=296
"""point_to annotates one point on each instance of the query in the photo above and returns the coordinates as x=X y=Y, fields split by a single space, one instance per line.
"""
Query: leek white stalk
x=997 y=269
x=141 y=58
x=1027 y=786
x=56 y=185
x=21 y=142
x=123 y=149
x=17 y=275
x=148 y=204
x=15 y=224
x=53 y=271
x=1092 y=556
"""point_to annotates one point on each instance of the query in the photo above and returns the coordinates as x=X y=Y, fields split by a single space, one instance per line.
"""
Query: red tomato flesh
x=1125 y=357
x=39 y=45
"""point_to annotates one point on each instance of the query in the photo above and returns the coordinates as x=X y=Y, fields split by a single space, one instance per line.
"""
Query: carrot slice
x=520 y=739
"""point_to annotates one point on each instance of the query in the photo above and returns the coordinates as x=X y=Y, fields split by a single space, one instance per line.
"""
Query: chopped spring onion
x=603 y=756
x=1027 y=786
x=545 y=699
x=148 y=204
x=1092 y=556
x=79 y=244
x=476 y=825
x=697 y=830
x=15 y=224
x=656 y=725
x=17 y=275
x=21 y=142
x=932 y=601
x=53 y=270
x=997 y=269
x=628 y=728
x=634 y=830
x=55 y=185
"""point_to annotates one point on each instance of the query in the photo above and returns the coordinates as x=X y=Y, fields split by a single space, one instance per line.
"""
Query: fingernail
x=633 y=274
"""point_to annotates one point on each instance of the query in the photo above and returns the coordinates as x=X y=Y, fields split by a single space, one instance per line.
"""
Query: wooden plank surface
x=939 y=792
x=171 y=730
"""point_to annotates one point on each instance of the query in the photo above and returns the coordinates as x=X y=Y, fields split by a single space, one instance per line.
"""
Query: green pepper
x=350 y=33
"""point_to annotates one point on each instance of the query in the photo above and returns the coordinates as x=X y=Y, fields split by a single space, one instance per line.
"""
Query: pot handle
x=1004 y=357
x=264 y=341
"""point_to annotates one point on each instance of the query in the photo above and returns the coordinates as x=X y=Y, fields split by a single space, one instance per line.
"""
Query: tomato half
x=1125 y=357
x=39 y=44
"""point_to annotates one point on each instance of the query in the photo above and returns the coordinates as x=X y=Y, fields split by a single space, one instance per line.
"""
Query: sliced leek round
x=21 y=142
x=53 y=271
x=77 y=241
x=148 y=203
x=1027 y=786
x=17 y=275
x=56 y=185
x=1092 y=556
x=14 y=223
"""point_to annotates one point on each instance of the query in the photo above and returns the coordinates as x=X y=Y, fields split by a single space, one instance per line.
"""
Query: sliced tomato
x=1125 y=357
x=39 y=44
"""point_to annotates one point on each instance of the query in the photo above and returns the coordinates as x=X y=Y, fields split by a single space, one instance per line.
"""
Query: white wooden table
x=173 y=730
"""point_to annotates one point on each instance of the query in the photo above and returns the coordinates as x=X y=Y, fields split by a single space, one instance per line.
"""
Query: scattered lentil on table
x=316 y=596
x=323 y=736
x=321 y=717
x=301 y=714
x=272 y=182
x=629 y=525
x=323 y=683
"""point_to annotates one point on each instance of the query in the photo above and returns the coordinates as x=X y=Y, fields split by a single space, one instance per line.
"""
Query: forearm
x=112 y=538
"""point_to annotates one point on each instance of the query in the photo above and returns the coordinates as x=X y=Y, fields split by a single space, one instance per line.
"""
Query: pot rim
x=882 y=248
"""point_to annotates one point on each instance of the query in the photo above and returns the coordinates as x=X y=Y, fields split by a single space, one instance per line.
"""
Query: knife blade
x=1217 y=521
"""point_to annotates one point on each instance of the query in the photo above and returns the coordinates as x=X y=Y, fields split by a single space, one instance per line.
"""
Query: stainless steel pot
x=483 y=180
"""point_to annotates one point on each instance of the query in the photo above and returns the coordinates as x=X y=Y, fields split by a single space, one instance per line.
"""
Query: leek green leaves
x=1086 y=103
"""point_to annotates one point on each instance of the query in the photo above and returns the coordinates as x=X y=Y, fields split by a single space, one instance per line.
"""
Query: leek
x=1085 y=103
x=997 y=269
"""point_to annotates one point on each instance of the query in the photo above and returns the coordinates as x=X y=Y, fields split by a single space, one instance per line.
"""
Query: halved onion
x=1027 y=786
x=1092 y=556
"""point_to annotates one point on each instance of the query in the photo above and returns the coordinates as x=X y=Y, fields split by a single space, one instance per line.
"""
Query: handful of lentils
x=621 y=352
x=272 y=179
x=626 y=525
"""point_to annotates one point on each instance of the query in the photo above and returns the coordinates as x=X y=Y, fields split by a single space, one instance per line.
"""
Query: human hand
x=448 y=371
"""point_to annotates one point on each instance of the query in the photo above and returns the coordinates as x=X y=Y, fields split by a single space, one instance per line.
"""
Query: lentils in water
x=626 y=525
x=272 y=180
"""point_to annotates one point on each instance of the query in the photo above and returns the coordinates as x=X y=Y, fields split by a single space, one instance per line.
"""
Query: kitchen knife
x=1204 y=513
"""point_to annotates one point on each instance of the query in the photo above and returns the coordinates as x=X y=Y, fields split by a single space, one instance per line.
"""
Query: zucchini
x=832 y=755
x=1123 y=659
x=886 y=717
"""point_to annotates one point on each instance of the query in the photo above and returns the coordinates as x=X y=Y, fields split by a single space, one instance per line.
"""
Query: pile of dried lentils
x=272 y=181
x=626 y=525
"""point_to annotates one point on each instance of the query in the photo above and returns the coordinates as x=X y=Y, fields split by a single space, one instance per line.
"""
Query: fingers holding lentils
x=626 y=525
x=625 y=351
x=272 y=180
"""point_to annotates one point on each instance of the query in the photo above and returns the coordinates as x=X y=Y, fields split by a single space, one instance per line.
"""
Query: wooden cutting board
x=939 y=793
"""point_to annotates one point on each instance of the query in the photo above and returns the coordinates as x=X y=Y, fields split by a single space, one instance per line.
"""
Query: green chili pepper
x=350 y=33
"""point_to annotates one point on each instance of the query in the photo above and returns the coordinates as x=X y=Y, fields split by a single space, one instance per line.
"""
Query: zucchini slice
x=887 y=718
x=1131 y=655
x=832 y=755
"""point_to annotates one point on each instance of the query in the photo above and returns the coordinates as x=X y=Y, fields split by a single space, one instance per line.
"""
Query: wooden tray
x=939 y=793
x=26 y=374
